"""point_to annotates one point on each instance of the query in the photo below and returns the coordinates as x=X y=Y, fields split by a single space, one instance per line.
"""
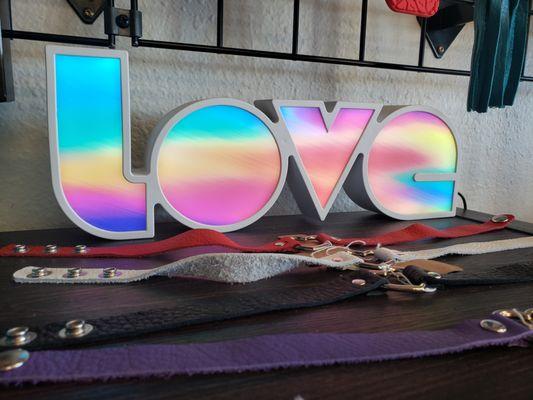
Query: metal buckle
x=397 y=281
x=303 y=239
x=307 y=247
x=299 y=236
x=384 y=266
x=524 y=317
x=361 y=253
x=422 y=288
x=317 y=246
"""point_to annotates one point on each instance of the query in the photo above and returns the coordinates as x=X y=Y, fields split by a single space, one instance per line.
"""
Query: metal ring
x=493 y=326
x=434 y=274
x=500 y=218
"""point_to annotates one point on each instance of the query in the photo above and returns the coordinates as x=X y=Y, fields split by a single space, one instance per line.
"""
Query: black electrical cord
x=465 y=206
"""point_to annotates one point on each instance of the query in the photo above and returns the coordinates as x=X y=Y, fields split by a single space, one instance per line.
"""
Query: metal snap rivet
x=110 y=272
x=279 y=244
x=359 y=282
x=500 y=218
x=493 y=326
x=50 y=248
x=20 y=248
x=74 y=272
x=75 y=328
x=38 y=272
x=506 y=313
x=80 y=249
x=12 y=359
x=17 y=336
x=88 y=12
x=435 y=275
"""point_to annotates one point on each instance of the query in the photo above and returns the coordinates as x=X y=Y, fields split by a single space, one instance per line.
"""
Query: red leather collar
x=285 y=244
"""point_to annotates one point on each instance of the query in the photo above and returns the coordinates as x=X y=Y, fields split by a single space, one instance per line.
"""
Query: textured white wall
x=496 y=147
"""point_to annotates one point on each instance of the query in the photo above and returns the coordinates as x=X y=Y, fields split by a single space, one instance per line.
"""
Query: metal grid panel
x=294 y=55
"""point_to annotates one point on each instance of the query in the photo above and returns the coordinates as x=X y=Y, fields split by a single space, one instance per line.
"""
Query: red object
x=420 y=8
x=287 y=244
x=420 y=232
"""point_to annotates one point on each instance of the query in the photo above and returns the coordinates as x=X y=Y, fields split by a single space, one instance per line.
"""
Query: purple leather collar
x=260 y=353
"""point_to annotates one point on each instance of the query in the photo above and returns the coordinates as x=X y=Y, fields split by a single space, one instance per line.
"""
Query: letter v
x=323 y=146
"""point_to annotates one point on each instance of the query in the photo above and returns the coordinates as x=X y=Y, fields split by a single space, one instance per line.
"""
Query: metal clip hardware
x=304 y=242
x=524 y=317
x=299 y=236
x=422 y=288
x=308 y=247
x=397 y=280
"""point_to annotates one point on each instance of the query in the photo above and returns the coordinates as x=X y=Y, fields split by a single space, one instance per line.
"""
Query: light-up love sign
x=222 y=163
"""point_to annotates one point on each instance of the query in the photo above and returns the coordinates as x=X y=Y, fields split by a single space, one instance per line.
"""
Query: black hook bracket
x=446 y=24
x=87 y=10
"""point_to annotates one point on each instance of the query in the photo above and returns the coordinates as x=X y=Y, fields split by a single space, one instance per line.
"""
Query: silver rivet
x=75 y=328
x=50 y=248
x=279 y=244
x=500 y=218
x=20 y=248
x=17 y=336
x=506 y=313
x=74 y=272
x=39 y=272
x=88 y=12
x=493 y=326
x=80 y=248
x=12 y=359
x=435 y=275
x=109 y=272
x=359 y=282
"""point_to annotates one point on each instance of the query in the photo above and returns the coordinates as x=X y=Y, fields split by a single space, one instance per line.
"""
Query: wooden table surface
x=483 y=374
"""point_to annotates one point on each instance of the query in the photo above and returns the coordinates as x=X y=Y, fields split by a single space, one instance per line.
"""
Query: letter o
x=218 y=164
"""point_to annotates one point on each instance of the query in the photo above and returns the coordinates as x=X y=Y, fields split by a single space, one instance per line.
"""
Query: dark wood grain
x=493 y=373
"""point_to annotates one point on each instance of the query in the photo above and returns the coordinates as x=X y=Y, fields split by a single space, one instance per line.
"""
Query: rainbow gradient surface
x=324 y=152
x=89 y=130
x=219 y=165
x=415 y=142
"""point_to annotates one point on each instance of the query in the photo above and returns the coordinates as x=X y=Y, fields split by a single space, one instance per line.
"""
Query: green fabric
x=501 y=29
